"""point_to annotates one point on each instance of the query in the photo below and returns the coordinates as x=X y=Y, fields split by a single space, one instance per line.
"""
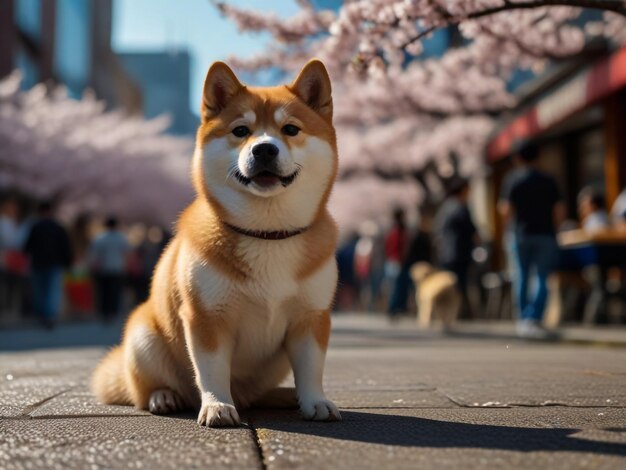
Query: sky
x=196 y=25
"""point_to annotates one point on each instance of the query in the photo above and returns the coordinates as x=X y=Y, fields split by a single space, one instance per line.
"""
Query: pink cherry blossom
x=89 y=159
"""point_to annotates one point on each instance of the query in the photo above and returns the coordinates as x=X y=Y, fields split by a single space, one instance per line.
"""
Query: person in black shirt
x=531 y=205
x=49 y=249
x=456 y=236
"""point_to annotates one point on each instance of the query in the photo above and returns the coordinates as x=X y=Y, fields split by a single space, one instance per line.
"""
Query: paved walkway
x=409 y=400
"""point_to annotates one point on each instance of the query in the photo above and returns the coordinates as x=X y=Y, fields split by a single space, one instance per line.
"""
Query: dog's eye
x=291 y=130
x=241 y=131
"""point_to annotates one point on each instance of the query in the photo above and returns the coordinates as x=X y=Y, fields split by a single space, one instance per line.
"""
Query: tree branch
x=521 y=46
x=616 y=6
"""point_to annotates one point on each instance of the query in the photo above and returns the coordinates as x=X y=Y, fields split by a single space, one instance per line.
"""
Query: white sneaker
x=531 y=329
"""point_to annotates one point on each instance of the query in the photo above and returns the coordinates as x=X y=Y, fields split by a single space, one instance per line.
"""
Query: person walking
x=395 y=248
x=531 y=203
x=109 y=256
x=13 y=263
x=48 y=247
x=347 y=284
x=369 y=265
x=420 y=249
x=455 y=237
x=146 y=255
x=9 y=228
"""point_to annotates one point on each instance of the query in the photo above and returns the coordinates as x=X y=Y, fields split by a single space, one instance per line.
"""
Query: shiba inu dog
x=436 y=294
x=243 y=292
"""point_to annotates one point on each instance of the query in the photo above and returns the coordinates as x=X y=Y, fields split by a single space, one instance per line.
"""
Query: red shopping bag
x=79 y=294
x=16 y=262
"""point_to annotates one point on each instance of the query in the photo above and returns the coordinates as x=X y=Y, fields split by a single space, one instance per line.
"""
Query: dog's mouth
x=266 y=179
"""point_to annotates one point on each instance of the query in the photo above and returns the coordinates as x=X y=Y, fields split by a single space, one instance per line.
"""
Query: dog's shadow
x=409 y=431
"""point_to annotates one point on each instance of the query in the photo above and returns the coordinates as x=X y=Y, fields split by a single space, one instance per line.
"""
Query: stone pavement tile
x=17 y=397
x=81 y=402
x=541 y=390
x=388 y=399
x=569 y=383
x=465 y=438
x=378 y=340
x=489 y=375
x=50 y=362
x=128 y=442
x=28 y=379
x=367 y=370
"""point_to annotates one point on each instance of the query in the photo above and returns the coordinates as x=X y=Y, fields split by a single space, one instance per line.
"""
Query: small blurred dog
x=436 y=293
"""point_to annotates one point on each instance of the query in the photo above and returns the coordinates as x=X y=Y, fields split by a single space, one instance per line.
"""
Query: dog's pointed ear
x=220 y=86
x=313 y=86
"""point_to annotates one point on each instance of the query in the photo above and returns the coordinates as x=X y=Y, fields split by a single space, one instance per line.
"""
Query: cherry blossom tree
x=89 y=159
x=406 y=121
x=397 y=109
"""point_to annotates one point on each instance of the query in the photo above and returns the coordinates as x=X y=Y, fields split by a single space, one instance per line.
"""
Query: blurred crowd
x=437 y=264
x=89 y=268
x=377 y=266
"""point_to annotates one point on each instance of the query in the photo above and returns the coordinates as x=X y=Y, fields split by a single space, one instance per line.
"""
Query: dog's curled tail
x=108 y=382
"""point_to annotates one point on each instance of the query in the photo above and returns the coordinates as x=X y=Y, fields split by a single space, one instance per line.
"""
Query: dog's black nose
x=265 y=152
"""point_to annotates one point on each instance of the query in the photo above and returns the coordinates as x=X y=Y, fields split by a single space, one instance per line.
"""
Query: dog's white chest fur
x=262 y=300
x=272 y=266
x=267 y=300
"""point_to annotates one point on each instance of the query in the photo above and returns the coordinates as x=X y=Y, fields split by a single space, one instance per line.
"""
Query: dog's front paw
x=217 y=414
x=319 y=410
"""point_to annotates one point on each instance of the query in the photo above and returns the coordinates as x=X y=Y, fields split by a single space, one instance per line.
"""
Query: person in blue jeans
x=109 y=254
x=532 y=207
x=48 y=247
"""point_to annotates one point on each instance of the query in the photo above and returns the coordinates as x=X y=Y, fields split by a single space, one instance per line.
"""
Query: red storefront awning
x=581 y=90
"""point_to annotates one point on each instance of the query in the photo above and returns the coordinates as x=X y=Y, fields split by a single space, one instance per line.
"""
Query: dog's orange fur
x=175 y=314
x=317 y=323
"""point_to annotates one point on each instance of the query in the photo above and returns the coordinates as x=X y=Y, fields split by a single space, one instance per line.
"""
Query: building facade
x=164 y=79
x=578 y=124
x=68 y=42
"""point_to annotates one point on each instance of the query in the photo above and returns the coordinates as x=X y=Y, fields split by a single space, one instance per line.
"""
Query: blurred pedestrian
x=347 y=285
x=109 y=257
x=419 y=249
x=592 y=210
x=370 y=264
x=49 y=249
x=532 y=203
x=79 y=285
x=146 y=254
x=456 y=236
x=9 y=227
x=395 y=248
x=13 y=263
x=80 y=235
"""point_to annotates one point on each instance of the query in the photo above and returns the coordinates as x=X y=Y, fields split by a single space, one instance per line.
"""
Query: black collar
x=266 y=235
